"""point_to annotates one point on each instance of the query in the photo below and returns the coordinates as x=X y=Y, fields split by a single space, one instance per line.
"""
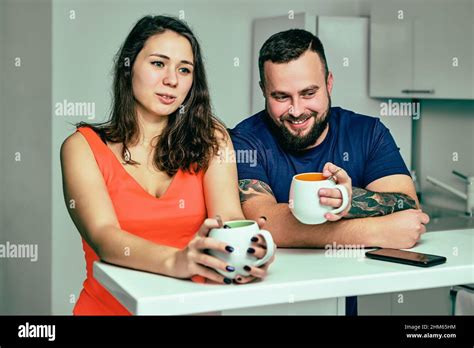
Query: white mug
x=239 y=237
x=304 y=198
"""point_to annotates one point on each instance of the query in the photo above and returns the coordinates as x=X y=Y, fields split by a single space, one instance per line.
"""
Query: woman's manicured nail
x=254 y=239
x=247 y=268
x=250 y=250
x=263 y=217
x=227 y=281
x=230 y=268
x=229 y=248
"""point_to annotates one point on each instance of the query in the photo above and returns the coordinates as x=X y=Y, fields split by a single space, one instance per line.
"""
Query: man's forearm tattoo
x=366 y=203
x=249 y=188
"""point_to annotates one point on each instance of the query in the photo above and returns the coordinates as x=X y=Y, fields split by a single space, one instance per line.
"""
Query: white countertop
x=296 y=275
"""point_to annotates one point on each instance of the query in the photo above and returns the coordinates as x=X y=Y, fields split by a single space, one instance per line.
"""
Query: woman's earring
x=126 y=156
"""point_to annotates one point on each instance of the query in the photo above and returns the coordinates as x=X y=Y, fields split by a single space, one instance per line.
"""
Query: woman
x=144 y=182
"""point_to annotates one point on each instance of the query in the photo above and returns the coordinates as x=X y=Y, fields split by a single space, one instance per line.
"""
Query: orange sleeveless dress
x=172 y=220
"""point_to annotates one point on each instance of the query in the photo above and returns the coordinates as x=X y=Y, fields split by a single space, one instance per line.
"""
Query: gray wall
x=2 y=129
x=26 y=129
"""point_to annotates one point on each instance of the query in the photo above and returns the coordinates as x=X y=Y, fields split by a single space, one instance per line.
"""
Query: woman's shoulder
x=221 y=134
x=74 y=140
x=75 y=145
x=85 y=136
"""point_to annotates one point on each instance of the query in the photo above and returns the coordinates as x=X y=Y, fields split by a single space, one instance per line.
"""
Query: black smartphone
x=406 y=257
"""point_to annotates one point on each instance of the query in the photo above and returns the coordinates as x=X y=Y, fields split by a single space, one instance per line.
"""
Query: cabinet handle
x=462 y=176
x=418 y=91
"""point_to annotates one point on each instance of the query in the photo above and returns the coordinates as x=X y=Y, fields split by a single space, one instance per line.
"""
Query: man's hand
x=400 y=230
x=333 y=197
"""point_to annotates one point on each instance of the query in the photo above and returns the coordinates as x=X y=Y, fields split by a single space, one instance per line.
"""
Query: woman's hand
x=333 y=197
x=193 y=260
x=259 y=249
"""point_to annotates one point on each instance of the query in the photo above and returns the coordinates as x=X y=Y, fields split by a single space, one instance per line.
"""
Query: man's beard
x=296 y=143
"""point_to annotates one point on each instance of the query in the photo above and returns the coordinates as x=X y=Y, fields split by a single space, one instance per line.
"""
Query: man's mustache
x=288 y=117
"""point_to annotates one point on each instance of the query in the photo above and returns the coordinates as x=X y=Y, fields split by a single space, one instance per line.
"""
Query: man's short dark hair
x=285 y=46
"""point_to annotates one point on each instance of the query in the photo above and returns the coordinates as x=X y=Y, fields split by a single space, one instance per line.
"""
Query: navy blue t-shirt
x=359 y=144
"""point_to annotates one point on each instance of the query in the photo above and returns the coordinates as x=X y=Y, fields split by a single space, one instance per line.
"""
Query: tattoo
x=249 y=188
x=366 y=203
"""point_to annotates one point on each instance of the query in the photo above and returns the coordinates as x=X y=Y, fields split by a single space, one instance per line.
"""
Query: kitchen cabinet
x=421 y=50
x=435 y=301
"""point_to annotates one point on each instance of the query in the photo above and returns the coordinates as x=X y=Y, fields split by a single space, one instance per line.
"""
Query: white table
x=300 y=281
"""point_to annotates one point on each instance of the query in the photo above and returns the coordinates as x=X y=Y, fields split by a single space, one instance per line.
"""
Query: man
x=299 y=132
